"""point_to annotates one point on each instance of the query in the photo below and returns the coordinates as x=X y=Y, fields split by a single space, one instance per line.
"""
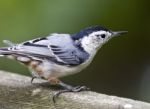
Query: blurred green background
x=122 y=66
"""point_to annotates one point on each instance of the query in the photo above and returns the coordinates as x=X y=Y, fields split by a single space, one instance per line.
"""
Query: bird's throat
x=90 y=45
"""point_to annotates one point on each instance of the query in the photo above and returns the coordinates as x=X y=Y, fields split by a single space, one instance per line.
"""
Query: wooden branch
x=16 y=92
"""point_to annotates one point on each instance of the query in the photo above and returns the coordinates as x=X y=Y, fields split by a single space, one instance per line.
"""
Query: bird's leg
x=33 y=79
x=67 y=88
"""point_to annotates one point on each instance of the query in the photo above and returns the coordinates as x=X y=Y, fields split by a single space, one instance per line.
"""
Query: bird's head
x=92 y=38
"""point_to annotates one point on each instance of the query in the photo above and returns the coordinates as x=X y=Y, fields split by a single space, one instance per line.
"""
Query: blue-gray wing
x=71 y=56
x=58 y=48
x=65 y=49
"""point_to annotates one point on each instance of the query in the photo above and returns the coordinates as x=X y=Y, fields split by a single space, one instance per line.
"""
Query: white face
x=95 y=40
x=100 y=37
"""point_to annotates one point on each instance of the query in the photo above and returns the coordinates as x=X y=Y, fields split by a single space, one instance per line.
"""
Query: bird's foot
x=70 y=89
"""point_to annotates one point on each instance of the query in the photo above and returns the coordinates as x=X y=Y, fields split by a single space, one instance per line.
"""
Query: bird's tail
x=1 y=52
x=8 y=43
x=5 y=50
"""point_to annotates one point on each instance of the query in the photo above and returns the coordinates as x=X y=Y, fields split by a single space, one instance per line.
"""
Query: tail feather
x=4 y=51
x=8 y=52
x=8 y=43
x=1 y=55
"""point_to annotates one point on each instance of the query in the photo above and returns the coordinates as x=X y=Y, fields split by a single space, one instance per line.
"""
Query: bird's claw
x=80 y=88
x=74 y=89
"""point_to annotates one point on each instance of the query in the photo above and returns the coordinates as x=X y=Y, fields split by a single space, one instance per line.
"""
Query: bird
x=59 y=55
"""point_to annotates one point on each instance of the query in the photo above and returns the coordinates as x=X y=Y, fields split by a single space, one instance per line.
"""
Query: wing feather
x=54 y=48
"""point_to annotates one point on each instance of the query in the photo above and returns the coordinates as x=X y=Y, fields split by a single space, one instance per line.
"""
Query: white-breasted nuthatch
x=60 y=55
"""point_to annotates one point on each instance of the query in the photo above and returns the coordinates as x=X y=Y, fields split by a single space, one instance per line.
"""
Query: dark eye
x=103 y=36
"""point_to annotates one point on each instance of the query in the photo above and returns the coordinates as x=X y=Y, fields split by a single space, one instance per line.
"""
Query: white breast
x=55 y=70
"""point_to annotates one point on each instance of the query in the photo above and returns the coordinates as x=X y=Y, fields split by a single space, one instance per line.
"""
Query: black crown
x=87 y=31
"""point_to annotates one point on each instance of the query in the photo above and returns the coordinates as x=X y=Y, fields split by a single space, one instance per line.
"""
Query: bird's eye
x=103 y=36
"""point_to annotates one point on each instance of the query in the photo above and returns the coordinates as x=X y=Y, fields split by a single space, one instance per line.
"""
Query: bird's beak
x=118 y=33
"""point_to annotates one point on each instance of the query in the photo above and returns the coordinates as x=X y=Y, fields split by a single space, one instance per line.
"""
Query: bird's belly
x=66 y=70
x=48 y=69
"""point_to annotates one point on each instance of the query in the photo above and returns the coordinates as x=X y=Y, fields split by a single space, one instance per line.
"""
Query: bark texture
x=17 y=92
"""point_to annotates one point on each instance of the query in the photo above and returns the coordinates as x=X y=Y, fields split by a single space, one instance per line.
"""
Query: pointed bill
x=118 y=33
